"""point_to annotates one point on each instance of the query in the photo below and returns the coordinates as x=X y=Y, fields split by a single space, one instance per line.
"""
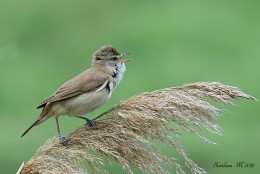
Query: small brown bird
x=85 y=92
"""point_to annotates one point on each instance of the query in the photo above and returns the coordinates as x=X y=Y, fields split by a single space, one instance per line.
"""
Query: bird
x=86 y=92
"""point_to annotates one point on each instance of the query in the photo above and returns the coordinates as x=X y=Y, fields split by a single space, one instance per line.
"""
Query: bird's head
x=108 y=55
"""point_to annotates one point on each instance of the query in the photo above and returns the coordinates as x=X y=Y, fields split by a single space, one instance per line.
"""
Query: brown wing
x=87 y=81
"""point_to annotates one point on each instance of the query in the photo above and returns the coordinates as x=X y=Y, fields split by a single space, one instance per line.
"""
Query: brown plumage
x=87 y=91
x=87 y=81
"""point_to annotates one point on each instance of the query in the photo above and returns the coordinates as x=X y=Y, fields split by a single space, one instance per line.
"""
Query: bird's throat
x=117 y=72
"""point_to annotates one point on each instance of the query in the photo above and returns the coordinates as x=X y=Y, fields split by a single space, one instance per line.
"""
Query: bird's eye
x=97 y=58
x=115 y=58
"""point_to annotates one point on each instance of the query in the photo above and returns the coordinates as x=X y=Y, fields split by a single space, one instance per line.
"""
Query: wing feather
x=89 y=80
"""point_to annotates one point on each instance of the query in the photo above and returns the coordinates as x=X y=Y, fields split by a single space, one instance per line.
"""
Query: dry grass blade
x=127 y=133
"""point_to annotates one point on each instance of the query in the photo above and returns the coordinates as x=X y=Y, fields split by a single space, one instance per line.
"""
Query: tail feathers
x=34 y=124
x=42 y=117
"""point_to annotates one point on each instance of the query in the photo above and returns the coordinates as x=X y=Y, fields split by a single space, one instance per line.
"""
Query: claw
x=91 y=123
x=63 y=140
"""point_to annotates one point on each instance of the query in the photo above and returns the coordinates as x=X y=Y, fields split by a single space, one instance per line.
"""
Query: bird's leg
x=62 y=139
x=91 y=122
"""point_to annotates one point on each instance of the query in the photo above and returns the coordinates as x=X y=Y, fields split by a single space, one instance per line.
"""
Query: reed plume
x=130 y=132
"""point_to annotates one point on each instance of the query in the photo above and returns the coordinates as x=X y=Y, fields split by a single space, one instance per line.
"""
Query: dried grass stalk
x=129 y=132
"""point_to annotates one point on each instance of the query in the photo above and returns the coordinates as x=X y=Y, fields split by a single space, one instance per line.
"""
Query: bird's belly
x=86 y=103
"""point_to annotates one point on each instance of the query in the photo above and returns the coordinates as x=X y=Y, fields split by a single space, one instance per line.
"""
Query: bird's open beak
x=122 y=55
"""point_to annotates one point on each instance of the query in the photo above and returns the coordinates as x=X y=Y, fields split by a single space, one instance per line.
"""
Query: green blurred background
x=46 y=42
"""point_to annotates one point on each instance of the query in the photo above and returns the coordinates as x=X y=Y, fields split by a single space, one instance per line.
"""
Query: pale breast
x=86 y=103
x=83 y=104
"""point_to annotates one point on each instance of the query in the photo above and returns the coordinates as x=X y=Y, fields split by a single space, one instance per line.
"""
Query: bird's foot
x=63 y=140
x=91 y=122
